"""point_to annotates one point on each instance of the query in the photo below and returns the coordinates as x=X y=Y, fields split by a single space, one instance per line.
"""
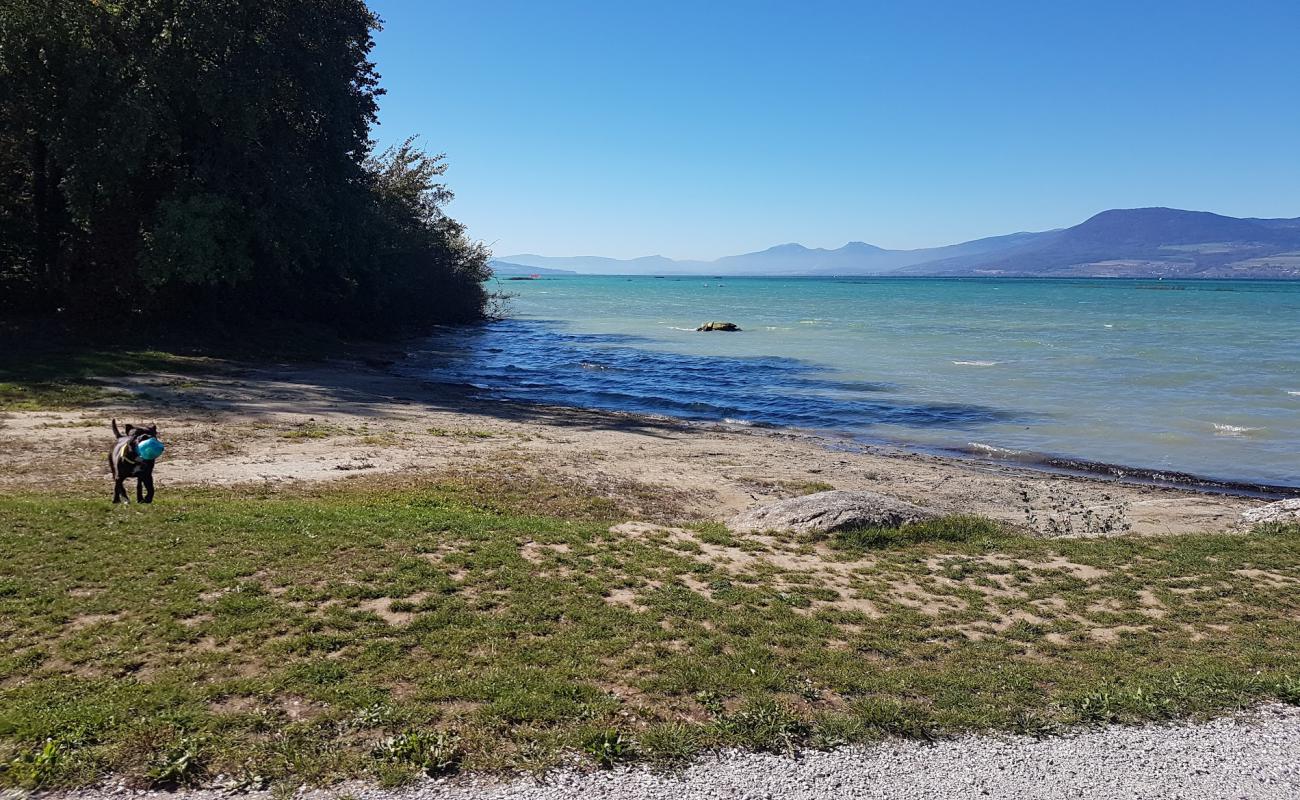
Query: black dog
x=125 y=462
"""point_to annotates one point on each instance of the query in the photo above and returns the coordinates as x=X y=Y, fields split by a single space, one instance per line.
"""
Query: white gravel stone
x=1255 y=756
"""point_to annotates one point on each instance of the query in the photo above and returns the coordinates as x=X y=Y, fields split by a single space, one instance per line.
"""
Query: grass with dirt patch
x=314 y=633
x=69 y=379
x=46 y=368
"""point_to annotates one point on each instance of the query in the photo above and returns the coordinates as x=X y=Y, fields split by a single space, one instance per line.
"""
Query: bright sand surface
x=349 y=421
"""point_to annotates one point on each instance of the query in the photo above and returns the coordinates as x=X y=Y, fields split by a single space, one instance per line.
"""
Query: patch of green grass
x=432 y=752
x=312 y=430
x=460 y=433
x=763 y=723
x=966 y=529
x=77 y=423
x=495 y=622
x=670 y=742
x=23 y=395
x=608 y=746
x=809 y=487
x=178 y=763
x=61 y=380
x=382 y=439
x=29 y=769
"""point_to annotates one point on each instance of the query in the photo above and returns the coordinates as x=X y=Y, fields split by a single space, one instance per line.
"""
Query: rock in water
x=829 y=511
x=1281 y=511
x=718 y=326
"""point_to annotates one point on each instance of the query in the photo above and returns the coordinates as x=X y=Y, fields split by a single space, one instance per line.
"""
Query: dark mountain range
x=1140 y=242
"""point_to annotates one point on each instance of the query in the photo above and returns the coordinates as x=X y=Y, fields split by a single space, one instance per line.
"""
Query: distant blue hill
x=1144 y=242
x=854 y=258
x=508 y=268
x=1140 y=242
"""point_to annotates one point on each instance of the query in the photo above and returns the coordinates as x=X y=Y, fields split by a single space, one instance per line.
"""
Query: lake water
x=1199 y=377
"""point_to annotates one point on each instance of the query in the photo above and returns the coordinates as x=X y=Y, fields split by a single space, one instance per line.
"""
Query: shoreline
x=1045 y=463
x=1038 y=461
x=1140 y=476
x=274 y=423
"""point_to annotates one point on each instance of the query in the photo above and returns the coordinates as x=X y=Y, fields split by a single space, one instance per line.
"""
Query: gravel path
x=1250 y=756
x=1254 y=758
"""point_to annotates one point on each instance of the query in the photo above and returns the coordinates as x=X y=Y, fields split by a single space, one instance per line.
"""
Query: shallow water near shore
x=1199 y=377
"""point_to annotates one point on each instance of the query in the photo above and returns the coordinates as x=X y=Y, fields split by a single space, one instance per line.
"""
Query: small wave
x=735 y=421
x=675 y=328
x=1234 y=430
x=976 y=363
x=994 y=450
x=591 y=365
x=1107 y=326
x=1294 y=394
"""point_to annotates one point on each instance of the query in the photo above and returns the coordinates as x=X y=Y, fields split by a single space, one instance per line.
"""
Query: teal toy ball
x=149 y=449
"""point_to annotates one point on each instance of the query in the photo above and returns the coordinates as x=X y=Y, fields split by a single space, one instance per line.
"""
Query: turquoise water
x=1201 y=377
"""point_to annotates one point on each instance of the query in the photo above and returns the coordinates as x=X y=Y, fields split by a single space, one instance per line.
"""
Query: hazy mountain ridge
x=854 y=258
x=1142 y=242
x=500 y=267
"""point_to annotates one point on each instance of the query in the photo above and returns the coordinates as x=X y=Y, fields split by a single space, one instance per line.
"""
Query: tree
x=211 y=159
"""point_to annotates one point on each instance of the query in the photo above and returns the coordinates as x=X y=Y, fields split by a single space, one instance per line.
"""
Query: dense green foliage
x=210 y=159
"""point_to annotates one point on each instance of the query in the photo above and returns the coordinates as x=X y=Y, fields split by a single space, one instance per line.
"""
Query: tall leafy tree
x=212 y=157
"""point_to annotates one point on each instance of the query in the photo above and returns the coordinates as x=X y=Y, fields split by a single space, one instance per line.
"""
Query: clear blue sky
x=702 y=129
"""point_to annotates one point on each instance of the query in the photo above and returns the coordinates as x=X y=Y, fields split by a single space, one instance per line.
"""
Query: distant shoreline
x=1046 y=463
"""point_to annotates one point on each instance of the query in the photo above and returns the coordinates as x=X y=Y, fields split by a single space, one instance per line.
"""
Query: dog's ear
x=129 y=428
x=153 y=429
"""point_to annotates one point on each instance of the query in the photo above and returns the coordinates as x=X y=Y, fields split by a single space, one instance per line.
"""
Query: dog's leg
x=119 y=492
x=146 y=481
x=118 y=489
x=139 y=489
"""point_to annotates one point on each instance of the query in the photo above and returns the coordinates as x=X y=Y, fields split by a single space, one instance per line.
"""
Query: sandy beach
x=349 y=420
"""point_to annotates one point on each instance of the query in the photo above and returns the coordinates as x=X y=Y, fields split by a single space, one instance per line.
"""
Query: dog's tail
x=115 y=430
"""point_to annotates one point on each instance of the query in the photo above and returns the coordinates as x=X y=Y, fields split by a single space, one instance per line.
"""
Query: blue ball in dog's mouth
x=150 y=449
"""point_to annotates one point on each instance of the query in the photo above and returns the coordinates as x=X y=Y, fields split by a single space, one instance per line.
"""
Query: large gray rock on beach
x=719 y=326
x=1281 y=511
x=829 y=511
